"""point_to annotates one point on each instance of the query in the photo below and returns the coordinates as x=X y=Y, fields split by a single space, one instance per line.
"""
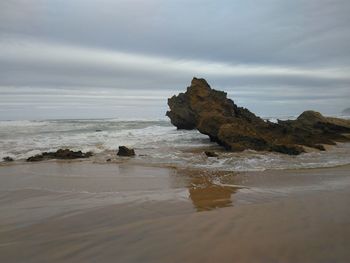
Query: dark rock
x=238 y=129
x=125 y=151
x=320 y=147
x=288 y=149
x=36 y=158
x=98 y=130
x=199 y=101
x=108 y=160
x=88 y=154
x=211 y=154
x=64 y=154
x=7 y=159
x=68 y=154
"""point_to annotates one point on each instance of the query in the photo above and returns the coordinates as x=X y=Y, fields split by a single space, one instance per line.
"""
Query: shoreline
x=124 y=161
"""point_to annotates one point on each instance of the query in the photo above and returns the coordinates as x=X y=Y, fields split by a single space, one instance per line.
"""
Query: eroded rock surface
x=64 y=154
x=237 y=129
x=125 y=151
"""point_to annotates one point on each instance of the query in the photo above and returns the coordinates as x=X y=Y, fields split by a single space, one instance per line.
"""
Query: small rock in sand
x=211 y=154
x=125 y=151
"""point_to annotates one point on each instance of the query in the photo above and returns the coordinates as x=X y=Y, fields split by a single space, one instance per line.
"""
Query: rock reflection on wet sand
x=205 y=195
x=85 y=212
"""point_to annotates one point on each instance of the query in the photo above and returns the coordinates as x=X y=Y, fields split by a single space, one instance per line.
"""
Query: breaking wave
x=156 y=142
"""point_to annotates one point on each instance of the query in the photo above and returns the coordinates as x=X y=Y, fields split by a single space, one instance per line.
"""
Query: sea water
x=156 y=142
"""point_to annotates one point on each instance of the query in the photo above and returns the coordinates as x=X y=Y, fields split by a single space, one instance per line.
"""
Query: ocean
x=156 y=142
x=167 y=198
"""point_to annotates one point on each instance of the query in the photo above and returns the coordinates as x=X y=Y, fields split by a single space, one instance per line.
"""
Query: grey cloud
x=266 y=53
x=266 y=31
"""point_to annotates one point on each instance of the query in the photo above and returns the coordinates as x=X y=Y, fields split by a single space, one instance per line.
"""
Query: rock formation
x=237 y=129
x=211 y=154
x=125 y=151
x=7 y=159
x=65 y=154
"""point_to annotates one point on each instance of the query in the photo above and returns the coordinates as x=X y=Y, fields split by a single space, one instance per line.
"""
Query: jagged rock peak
x=236 y=128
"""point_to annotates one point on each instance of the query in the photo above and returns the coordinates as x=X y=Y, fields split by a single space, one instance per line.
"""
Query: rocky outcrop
x=125 y=151
x=211 y=154
x=237 y=129
x=7 y=159
x=64 y=154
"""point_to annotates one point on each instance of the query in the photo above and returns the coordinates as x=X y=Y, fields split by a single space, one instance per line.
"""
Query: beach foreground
x=88 y=212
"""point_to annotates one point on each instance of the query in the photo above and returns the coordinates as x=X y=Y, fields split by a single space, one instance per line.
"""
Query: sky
x=124 y=58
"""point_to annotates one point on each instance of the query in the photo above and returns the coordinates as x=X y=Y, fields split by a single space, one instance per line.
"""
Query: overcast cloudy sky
x=123 y=58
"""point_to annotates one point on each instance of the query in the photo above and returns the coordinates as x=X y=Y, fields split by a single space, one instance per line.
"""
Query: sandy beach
x=88 y=212
x=174 y=131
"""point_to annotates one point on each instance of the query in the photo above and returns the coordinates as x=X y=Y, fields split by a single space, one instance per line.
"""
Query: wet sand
x=86 y=212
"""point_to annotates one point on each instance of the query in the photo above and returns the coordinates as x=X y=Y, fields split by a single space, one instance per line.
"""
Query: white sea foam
x=157 y=142
x=22 y=123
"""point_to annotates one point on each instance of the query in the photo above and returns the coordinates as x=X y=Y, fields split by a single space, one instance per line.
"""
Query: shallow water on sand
x=88 y=212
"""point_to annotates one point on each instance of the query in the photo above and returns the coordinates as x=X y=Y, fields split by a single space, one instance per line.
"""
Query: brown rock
x=211 y=154
x=320 y=147
x=64 y=154
x=36 y=158
x=125 y=151
x=237 y=129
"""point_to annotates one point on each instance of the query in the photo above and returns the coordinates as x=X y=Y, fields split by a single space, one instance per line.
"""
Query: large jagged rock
x=237 y=129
